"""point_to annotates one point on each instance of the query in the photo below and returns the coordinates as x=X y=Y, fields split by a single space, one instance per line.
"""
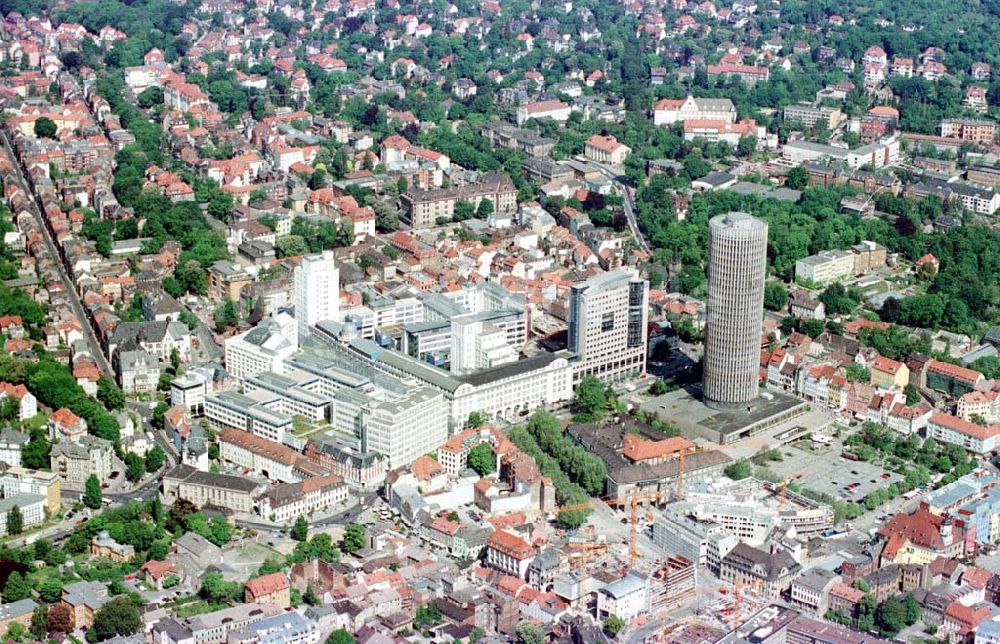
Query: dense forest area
x=964 y=294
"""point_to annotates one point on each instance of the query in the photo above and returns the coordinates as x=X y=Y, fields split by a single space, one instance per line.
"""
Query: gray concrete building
x=737 y=255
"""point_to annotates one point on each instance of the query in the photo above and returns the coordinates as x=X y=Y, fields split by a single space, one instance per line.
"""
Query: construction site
x=752 y=509
x=687 y=603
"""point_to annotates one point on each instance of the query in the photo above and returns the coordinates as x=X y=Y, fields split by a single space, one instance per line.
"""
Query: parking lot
x=821 y=468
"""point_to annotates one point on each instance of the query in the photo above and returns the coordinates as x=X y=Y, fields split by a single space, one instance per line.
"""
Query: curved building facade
x=737 y=261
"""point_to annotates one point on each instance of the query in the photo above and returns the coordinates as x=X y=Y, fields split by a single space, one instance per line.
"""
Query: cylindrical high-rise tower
x=737 y=260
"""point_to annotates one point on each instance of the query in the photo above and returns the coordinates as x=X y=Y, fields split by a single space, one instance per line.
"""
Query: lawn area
x=197 y=607
x=302 y=428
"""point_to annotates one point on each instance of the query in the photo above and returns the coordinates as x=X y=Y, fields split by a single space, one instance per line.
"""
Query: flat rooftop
x=685 y=409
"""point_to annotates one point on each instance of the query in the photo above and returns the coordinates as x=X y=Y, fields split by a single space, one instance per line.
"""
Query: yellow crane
x=634 y=501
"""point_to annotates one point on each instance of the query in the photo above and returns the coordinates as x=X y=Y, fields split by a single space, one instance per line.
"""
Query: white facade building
x=230 y=409
x=317 y=291
x=284 y=503
x=405 y=428
x=607 y=325
x=189 y=391
x=975 y=438
x=263 y=348
x=627 y=598
x=825 y=266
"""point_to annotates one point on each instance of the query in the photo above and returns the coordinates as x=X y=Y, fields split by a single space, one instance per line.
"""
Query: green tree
x=463 y=210
x=17 y=588
x=215 y=588
x=613 y=625
x=477 y=419
x=135 y=466
x=109 y=393
x=220 y=532
x=226 y=315
x=40 y=622
x=220 y=206
x=911 y=610
x=838 y=300
x=775 y=296
x=159 y=550
x=340 y=636
x=150 y=96
x=485 y=209
x=16 y=632
x=35 y=454
x=481 y=459
x=117 y=617
x=528 y=633
x=797 y=178
x=317 y=179
x=354 y=537
x=300 y=529
x=590 y=399
x=812 y=328
x=158 y=411
x=427 y=615
x=989 y=366
x=45 y=128
x=155 y=458
x=857 y=373
x=15 y=521
x=92 y=495
x=891 y=617
x=747 y=145
x=50 y=590
x=912 y=394
x=739 y=469
x=322 y=546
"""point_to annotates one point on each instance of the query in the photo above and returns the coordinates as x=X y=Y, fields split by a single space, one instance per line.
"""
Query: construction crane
x=634 y=501
x=680 y=470
x=586 y=505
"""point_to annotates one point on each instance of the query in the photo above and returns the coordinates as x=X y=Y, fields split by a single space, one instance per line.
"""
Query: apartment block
x=423 y=208
x=810 y=116
x=972 y=130
x=235 y=493
x=825 y=266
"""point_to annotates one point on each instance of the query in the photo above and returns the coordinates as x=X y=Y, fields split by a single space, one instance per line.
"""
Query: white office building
x=404 y=427
x=262 y=348
x=317 y=291
x=231 y=409
x=627 y=598
x=477 y=345
x=607 y=325
x=189 y=391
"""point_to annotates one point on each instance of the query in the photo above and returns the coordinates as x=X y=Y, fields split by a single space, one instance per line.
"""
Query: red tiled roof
x=922 y=528
x=887 y=365
x=158 y=569
x=954 y=371
x=965 y=427
x=65 y=417
x=267 y=584
x=425 y=468
x=511 y=544
x=637 y=449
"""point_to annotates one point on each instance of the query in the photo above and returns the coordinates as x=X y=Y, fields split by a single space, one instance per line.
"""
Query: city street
x=627 y=203
x=68 y=285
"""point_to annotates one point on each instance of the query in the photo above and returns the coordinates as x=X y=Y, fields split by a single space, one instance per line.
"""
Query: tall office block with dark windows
x=737 y=258
x=607 y=325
